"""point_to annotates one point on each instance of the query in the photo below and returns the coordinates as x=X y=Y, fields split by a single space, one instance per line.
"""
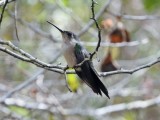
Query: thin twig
x=15 y=19
x=135 y=17
x=76 y=18
x=91 y=22
x=99 y=31
x=3 y=9
x=14 y=54
x=2 y=2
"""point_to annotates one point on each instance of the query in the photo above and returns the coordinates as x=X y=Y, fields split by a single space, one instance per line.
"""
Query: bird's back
x=87 y=73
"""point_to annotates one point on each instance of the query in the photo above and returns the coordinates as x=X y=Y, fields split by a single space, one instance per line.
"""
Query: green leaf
x=130 y=115
x=19 y=110
x=151 y=5
x=65 y=2
x=51 y=116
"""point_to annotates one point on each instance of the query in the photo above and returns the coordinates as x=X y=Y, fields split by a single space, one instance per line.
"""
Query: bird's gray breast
x=69 y=54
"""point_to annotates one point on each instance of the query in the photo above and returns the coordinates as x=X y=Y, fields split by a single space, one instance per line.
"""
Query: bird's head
x=66 y=35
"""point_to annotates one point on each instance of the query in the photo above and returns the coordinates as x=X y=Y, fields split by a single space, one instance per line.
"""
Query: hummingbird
x=74 y=54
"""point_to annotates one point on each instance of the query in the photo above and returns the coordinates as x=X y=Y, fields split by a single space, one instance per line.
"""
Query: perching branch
x=132 y=70
x=33 y=61
x=123 y=71
x=58 y=68
x=26 y=56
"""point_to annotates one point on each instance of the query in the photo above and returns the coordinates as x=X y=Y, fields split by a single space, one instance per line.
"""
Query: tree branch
x=99 y=31
x=27 y=57
x=91 y=22
x=90 y=112
x=28 y=81
x=15 y=20
x=135 y=17
x=122 y=44
x=60 y=69
x=132 y=70
x=3 y=9
x=2 y=2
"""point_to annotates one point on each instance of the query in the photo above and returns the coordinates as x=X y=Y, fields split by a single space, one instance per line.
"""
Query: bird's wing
x=86 y=71
x=83 y=71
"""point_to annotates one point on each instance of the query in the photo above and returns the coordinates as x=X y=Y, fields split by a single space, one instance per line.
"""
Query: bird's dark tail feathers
x=100 y=85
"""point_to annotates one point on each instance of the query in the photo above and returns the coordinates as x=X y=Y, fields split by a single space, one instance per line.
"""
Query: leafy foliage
x=151 y=5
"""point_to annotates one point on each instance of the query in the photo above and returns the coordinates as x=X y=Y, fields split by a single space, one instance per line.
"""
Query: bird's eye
x=69 y=34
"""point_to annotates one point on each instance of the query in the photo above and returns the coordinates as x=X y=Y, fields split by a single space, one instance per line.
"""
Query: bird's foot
x=66 y=68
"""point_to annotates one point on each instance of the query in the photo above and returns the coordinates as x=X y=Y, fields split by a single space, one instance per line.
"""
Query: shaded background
x=47 y=96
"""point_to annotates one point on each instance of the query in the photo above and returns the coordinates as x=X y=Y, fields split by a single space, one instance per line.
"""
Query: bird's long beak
x=56 y=27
